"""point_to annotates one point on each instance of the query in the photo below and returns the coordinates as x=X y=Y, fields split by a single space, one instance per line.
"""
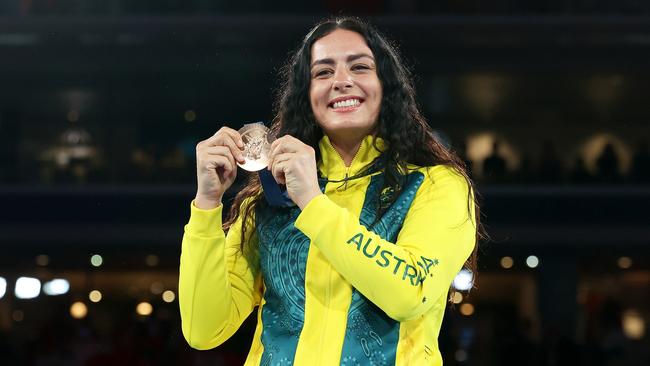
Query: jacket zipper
x=328 y=289
x=347 y=168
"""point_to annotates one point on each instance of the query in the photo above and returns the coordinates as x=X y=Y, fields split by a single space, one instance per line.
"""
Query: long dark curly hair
x=400 y=124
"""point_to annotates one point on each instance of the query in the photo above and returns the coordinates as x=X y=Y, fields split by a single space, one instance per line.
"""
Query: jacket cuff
x=205 y=223
x=312 y=219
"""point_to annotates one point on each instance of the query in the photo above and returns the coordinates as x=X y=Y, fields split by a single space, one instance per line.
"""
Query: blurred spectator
x=550 y=167
x=607 y=165
x=580 y=174
x=525 y=173
x=494 y=166
x=641 y=163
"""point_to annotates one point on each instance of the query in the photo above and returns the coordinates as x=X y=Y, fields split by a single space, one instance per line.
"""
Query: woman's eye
x=321 y=73
x=360 y=67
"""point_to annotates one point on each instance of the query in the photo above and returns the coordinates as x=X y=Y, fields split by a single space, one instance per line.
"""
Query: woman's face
x=345 y=91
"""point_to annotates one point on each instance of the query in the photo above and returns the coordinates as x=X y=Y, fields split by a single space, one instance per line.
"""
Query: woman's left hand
x=293 y=163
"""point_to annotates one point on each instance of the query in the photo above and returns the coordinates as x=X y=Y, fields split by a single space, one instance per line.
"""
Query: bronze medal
x=257 y=145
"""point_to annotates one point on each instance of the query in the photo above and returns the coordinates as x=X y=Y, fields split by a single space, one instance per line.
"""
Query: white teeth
x=347 y=103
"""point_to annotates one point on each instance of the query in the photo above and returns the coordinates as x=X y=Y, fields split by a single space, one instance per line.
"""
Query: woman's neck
x=347 y=148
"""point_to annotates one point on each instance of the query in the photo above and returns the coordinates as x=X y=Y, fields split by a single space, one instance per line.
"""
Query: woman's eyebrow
x=350 y=58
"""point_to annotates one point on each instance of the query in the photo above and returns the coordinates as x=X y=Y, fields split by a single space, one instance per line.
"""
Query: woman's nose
x=342 y=84
x=342 y=79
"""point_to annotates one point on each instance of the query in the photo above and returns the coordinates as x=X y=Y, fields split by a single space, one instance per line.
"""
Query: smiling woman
x=345 y=91
x=359 y=270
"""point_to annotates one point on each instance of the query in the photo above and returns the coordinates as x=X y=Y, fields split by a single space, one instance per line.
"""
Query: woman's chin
x=347 y=128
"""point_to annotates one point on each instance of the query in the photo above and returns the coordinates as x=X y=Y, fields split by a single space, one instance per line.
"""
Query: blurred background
x=103 y=102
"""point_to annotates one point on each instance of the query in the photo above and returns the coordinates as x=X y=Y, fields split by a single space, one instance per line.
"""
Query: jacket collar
x=331 y=164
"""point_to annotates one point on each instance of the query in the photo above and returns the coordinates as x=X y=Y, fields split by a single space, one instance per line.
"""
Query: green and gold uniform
x=329 y=291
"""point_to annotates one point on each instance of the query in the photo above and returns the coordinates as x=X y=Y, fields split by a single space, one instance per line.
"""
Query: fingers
x=216 y=162
x=278 y=156
x=284 y=149
x=278 y=165
x=278 y=171
x=235 y=151
x=285 y=143
x=222 y=151
x=220 y=161
x=225 y=131
x=226 y=137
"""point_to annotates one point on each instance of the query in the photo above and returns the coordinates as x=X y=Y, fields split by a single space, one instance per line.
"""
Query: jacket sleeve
x=404 y=278
x=219 y=285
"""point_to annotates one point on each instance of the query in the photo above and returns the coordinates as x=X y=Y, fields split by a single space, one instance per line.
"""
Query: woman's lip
x=346 y=109
x=336 y=100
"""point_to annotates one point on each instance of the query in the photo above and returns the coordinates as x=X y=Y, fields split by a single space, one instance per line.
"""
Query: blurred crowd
x=550 y=168
x=112 y=334
x=174 y=164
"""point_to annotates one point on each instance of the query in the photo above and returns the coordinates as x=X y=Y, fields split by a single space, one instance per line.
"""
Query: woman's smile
x=345 y=91
x=345 y=104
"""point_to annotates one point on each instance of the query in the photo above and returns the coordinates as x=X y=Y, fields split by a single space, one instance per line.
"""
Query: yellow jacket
x=328 y=290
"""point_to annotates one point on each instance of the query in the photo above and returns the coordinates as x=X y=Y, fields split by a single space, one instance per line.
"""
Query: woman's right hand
x=216 y=167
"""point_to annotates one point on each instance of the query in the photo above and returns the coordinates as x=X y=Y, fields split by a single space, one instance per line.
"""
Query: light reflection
x=57 y=286
x=532 y=261
x=467 y=309
x=168 y=296
x=96 y=260
x=507 y=262
x=624 y=262
x=633 y=325
x=78 y=310
x=27 y=288
x=144 y=309
x=457 y=298
x=95 y=296
x=463 y=280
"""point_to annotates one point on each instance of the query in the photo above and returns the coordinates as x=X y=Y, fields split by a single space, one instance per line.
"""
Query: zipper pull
x=344 y=184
